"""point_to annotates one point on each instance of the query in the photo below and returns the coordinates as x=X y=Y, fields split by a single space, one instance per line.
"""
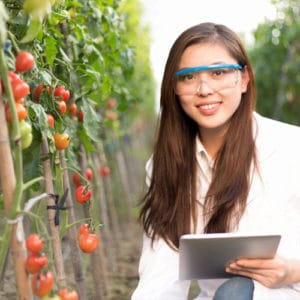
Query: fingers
x=269 y=272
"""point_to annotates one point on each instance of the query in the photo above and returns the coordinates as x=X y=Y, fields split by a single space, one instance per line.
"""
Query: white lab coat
x=273 y=206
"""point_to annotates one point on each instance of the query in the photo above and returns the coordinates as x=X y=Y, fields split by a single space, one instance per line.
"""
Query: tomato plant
x=88 y=242
x=65 y=294
x=62 y=94
x=83 y=194
x=42 y=283
x=24 y=61
x=61 y=140
x=34 y=243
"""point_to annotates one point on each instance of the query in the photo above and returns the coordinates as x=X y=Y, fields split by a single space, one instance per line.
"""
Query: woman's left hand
x=272 y=273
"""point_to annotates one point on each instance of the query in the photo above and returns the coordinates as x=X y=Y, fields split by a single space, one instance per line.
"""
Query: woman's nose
x=203 y=89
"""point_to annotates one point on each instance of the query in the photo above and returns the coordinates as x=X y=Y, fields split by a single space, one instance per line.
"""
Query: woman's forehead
x=205 y=54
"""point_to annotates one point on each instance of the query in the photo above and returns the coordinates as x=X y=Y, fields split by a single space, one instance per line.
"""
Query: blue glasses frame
x=208 y=67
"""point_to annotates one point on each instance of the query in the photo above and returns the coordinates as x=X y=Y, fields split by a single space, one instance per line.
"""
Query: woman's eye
x=218 y=72
x=186 y=77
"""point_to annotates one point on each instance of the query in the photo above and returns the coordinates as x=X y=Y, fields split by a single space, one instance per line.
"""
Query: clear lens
x=216 y=79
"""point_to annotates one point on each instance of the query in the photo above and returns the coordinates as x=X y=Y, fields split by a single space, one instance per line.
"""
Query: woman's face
x=210 y=106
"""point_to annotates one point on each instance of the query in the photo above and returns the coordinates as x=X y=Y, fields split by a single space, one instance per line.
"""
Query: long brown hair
x=169 y=208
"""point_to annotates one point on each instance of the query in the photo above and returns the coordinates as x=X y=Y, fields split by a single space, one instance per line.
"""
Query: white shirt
x=273 y=206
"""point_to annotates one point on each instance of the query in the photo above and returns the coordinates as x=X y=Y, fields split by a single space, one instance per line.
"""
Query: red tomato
x=83 y=229
x=111 y=103
x=65 y=294
x=72 y=108
x=20 y=100
x=76 y=179
x=89 y=174
x=83 y=194
x=88 y=242
x=62 y=94
x=12 y=77
x=21 y=112
x=51 y=120
x=24 y=61
x=37 y=92
x=34 y=263
x=105 y=171
x=42 y=283
x=80 y=115
x=20 y=89
x=111 y=115
x=34 y=243
x=61 y=140
x=39 y=89
x=62 y=107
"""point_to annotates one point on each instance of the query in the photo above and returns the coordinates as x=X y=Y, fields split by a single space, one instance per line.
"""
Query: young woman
x=218 y=166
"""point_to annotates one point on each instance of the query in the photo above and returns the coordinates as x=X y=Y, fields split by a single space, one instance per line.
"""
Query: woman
x=218 y=166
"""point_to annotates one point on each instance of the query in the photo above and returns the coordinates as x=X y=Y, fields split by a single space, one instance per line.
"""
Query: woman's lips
x=209 y=108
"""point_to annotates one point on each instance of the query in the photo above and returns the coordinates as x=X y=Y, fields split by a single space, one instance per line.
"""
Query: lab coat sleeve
x=158 y=272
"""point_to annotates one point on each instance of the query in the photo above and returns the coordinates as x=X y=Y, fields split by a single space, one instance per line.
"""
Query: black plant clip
x=59 y=205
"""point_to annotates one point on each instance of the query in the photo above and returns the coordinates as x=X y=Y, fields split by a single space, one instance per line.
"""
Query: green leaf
x=33 y=30
x=50 y=49
x=91 y=122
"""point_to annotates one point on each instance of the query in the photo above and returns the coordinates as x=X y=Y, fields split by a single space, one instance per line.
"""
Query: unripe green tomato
x=26 y=140
x=25 y=127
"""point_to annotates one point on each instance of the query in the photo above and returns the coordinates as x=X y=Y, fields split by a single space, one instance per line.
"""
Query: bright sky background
x=168 y=18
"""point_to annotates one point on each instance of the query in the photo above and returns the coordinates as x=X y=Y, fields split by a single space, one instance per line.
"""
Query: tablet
x=204 y=256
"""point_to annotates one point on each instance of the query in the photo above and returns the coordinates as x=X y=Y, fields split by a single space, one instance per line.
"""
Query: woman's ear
x=245 y=79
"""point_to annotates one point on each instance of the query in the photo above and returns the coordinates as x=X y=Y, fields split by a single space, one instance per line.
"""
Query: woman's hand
x=272 y=273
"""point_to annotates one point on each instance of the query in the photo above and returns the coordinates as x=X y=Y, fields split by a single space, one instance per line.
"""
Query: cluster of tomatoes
x=87 y=239
x=20 y=89
x=61 y=96
x=42 y=281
